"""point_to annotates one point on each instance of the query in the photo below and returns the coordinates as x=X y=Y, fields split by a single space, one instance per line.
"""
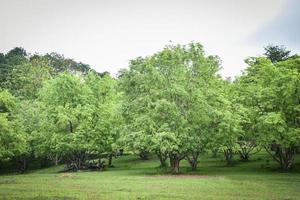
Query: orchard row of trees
x=173 y=104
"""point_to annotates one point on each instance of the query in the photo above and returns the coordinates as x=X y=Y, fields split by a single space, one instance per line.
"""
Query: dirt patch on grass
x=66 y=175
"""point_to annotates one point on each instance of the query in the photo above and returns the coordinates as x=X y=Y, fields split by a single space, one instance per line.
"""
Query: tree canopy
x=173 y=104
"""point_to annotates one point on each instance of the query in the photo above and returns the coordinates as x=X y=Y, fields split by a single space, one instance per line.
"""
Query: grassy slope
x=135 y=179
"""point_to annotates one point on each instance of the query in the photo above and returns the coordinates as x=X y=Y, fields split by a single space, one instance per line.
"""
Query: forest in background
x=172 y=104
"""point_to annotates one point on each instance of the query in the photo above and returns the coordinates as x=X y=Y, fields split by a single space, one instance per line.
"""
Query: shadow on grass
x=207 y=166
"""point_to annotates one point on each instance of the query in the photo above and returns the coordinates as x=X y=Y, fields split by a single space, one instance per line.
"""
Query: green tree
x=25 y=80
x=276 y=53
x=225 y=126
x=81 y=118
x=243 y=92
x=61 y=64
x=14 y=57
x=164 y=95
x=106 y=116
x=13 y=141
x=66 y=100
x=276 y=89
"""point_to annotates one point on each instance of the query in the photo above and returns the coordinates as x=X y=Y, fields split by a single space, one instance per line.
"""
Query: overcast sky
x=108 y=33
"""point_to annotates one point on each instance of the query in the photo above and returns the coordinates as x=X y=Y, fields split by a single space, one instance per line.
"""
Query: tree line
x=173 y=104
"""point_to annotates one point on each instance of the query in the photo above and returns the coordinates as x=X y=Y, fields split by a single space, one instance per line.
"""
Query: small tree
x=226 y=121
x=242 y=95
x=106 y=116
x=276 y=53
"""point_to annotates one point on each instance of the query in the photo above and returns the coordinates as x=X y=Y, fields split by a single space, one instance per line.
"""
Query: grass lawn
x=132 y=178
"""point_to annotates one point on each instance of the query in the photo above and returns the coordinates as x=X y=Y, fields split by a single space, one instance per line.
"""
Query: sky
x=106 y=34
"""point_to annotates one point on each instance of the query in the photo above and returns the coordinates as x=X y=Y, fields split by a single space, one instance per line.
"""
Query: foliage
x=80 y=117
x=25 y=80
x=164 y=95
x=13 y=142
x=276 y=93
x=276 y=53
x=173 y=104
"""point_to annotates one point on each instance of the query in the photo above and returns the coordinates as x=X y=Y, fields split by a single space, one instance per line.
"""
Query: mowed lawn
x=132 y=178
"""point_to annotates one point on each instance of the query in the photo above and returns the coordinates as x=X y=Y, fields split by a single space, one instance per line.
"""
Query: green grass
x=132 y=178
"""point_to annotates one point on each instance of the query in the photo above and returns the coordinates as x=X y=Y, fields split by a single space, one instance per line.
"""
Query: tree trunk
x=162 y=159
x=79 y=163
x=194 y=166
x=110 y=157
x=228 y=156
x=174 y=162
x=71 y=127
x=215 y=153
x=77 y=160
x=82 y=160
x=193 y=160
x=56 y=160
x=175 y=169
x=144 y=155
x=244 y=156
x=246 y=149
x=171 y=162
x=23 y=164
x=44 y=162
x=283 y=155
